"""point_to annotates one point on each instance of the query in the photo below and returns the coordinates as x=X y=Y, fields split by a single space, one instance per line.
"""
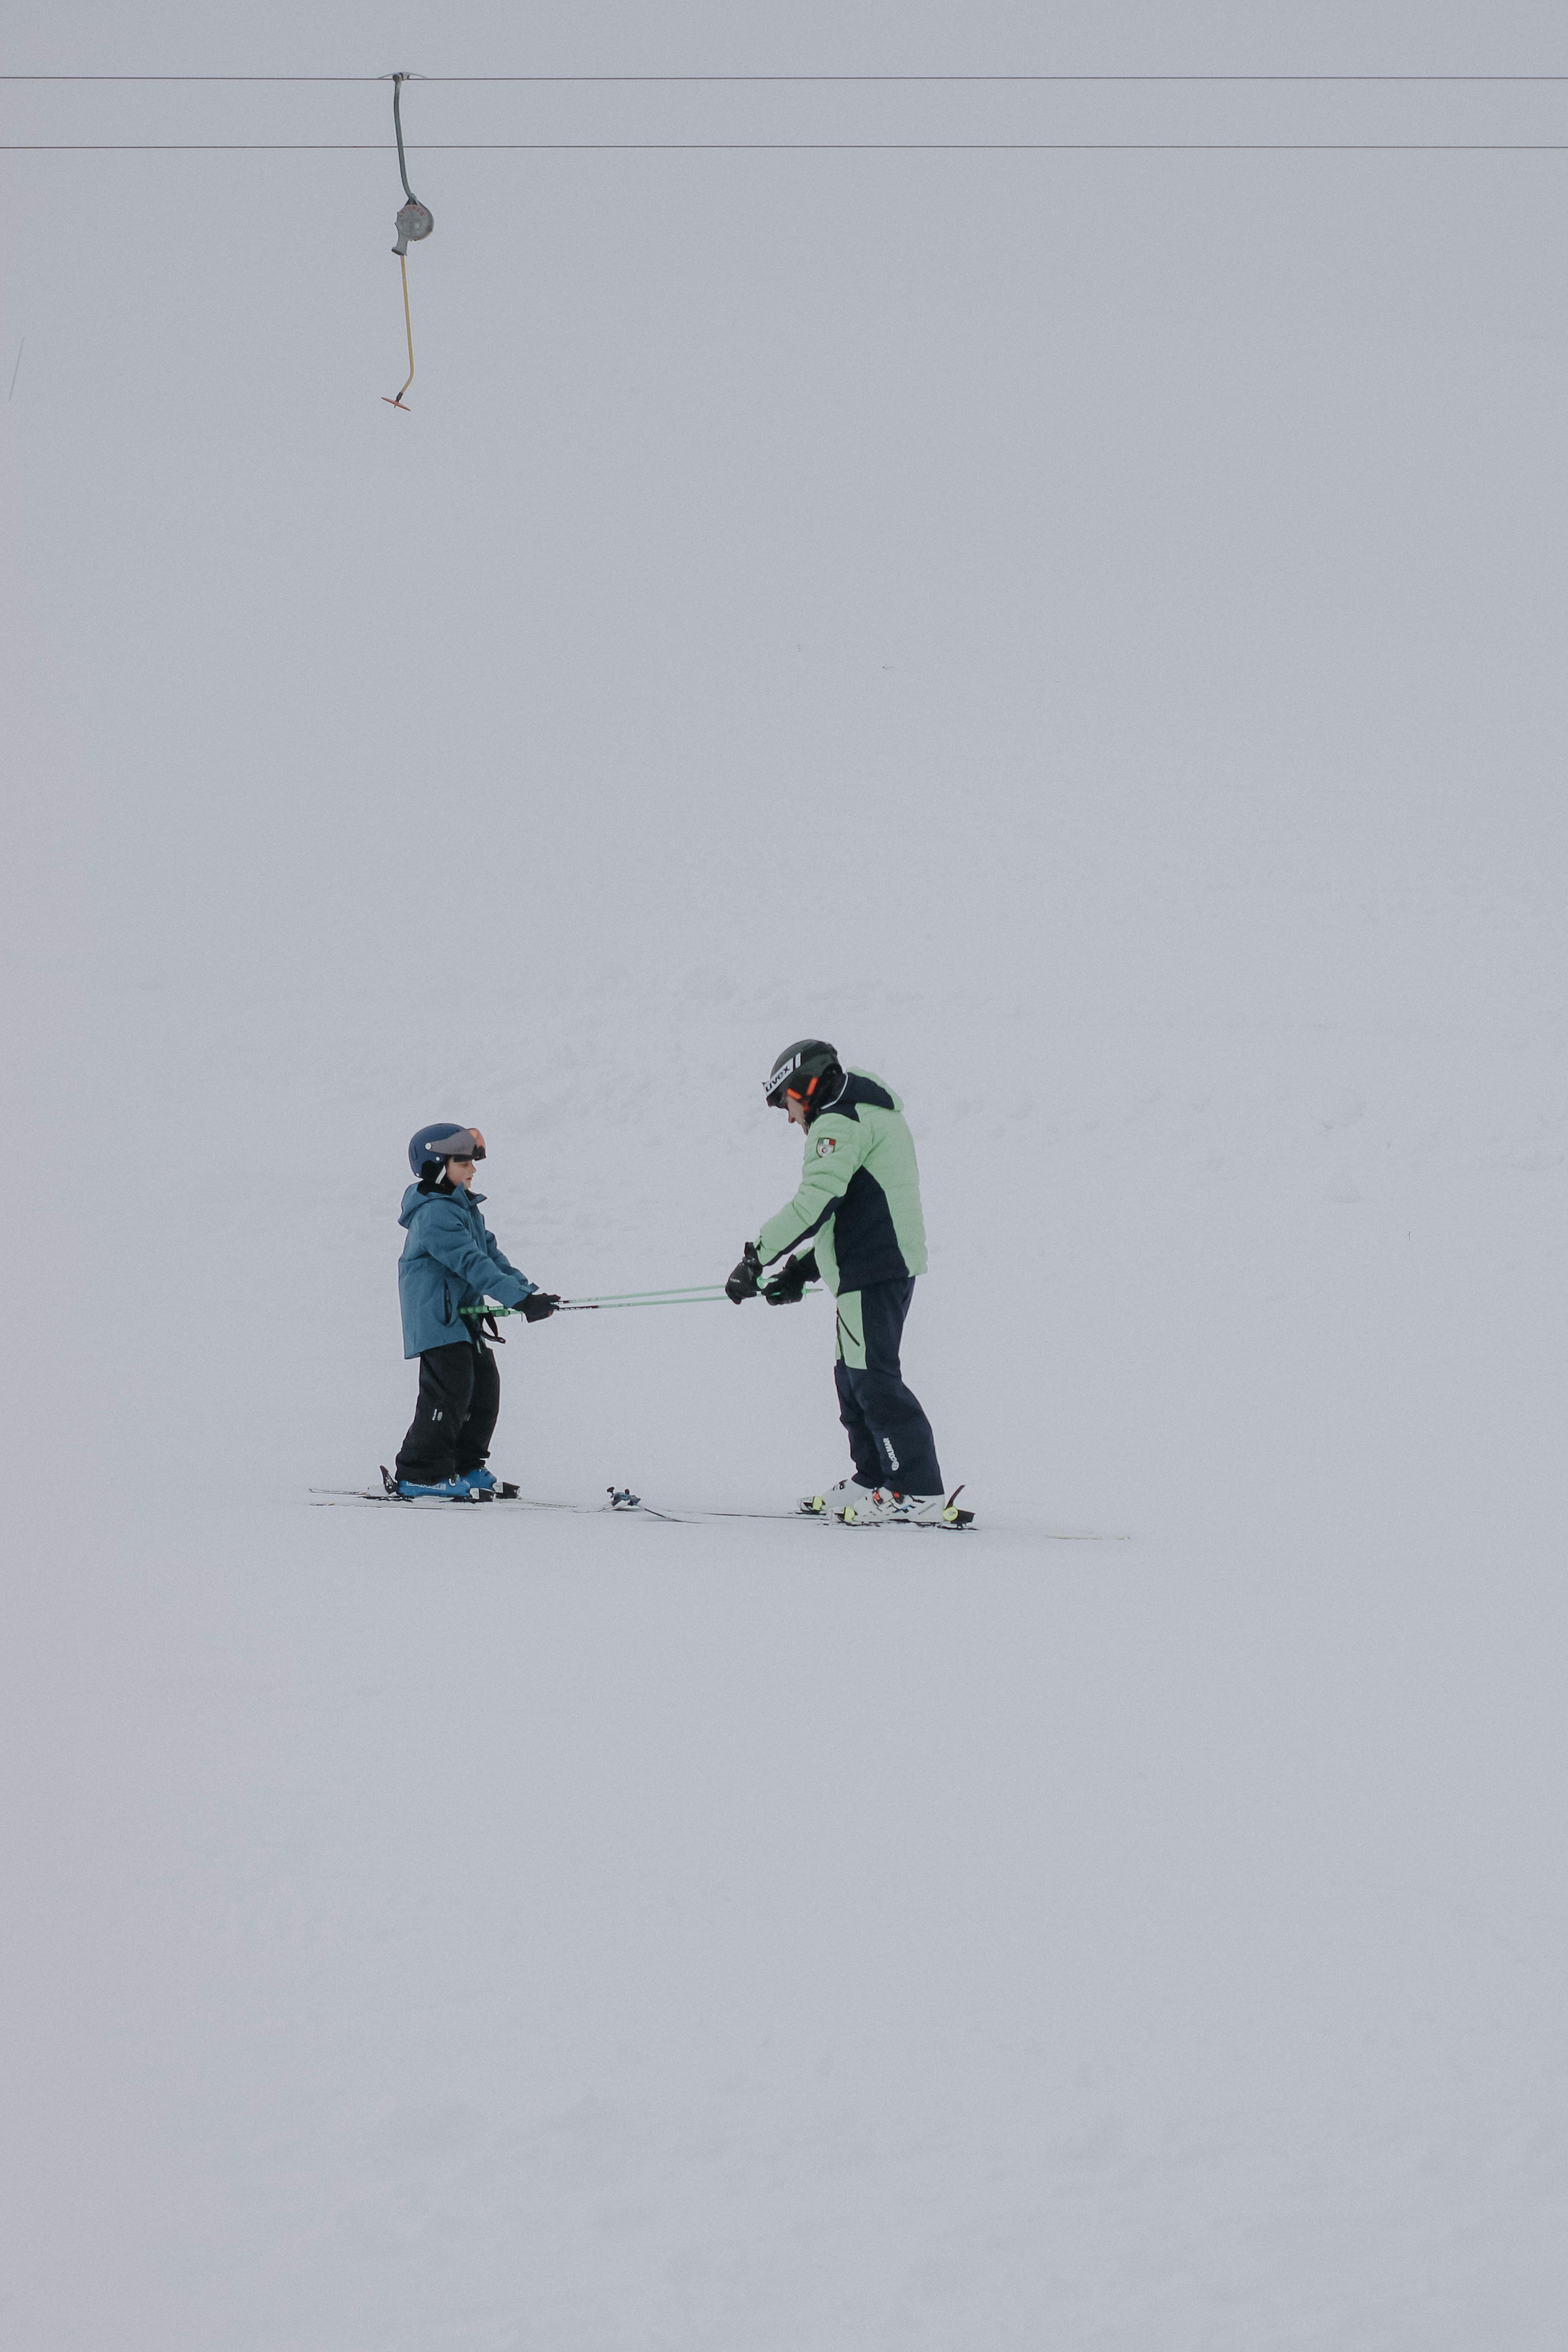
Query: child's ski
x=621 y=1500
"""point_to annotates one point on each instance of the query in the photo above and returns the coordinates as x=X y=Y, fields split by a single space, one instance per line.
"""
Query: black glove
x=539 y=1304
x=747 y=1278
x=788 y=1285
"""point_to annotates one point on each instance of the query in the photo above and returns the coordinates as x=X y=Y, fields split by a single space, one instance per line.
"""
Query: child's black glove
x=747 y=1278
x=788 y=1285
x=539 y=1304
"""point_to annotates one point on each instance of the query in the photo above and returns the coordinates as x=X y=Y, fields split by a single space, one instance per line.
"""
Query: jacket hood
x=414 y=1199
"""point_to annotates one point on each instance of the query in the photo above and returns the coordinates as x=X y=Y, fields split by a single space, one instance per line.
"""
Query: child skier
x=450 y=1261
x=860 y=1199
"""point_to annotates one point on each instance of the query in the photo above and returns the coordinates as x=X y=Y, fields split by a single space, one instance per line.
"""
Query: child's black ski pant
x=455 y=1418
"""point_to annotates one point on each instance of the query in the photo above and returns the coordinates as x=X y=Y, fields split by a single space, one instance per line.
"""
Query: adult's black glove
x=539 y=1304
x=747 y=1278
x=788 y=1285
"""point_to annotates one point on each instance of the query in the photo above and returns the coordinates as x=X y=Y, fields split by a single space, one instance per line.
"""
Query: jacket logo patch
x=827 y=1147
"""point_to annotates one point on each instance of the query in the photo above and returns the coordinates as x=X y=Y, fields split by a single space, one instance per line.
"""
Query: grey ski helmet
x=800 y=1069
x=434 y=1146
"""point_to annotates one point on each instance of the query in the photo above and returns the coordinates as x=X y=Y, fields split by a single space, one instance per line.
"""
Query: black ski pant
x=890 y=1436
x=455 y=1418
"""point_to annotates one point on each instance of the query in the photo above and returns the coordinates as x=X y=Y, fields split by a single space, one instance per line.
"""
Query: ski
x=357 y=1498
x=702 y=1514
x=621 y=1500
x=831 y=1520
x=627 y=1504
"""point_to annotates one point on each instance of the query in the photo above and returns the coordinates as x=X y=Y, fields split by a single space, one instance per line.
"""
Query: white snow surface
x=1085 y=634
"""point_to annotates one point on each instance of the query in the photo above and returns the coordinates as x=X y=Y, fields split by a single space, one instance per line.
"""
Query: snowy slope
x=602 y=1933
x=1086 y=636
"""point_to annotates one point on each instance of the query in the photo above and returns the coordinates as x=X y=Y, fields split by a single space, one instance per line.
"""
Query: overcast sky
x=861 y=518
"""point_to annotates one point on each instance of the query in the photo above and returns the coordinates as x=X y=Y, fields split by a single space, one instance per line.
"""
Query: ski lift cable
x=840 y=79
x=792 y=147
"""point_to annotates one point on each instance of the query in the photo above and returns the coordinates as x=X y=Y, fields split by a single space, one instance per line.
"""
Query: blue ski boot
x=482 y=1480
x=450 y=1490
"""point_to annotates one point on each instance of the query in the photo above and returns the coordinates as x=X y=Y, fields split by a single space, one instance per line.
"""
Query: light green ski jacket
x=859 y=1200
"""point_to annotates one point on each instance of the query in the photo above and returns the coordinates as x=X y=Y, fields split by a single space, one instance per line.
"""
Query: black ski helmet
x=426 y=1154
x=799 y=1069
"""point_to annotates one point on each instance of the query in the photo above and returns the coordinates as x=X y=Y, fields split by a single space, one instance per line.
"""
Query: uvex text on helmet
x=807 y=1058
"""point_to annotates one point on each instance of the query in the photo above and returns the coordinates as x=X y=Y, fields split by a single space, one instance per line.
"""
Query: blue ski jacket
x=450 y=1260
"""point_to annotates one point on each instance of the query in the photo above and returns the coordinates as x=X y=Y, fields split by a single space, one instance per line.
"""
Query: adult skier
x=858 y=1207
x=451 y=1260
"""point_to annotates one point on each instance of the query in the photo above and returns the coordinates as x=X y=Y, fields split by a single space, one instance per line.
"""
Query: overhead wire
x=819 y=146
x=761 y=80
x=795 y=147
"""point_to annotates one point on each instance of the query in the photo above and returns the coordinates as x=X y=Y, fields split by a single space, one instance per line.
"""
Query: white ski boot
x=829 y=1503
x=881 y=1507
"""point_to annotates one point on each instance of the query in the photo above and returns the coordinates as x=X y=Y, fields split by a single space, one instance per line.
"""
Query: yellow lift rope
x=408 y=325
x=413 y=222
